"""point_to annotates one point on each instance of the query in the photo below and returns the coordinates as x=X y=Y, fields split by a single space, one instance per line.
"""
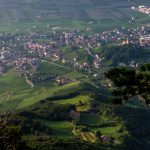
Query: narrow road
x=29 y=82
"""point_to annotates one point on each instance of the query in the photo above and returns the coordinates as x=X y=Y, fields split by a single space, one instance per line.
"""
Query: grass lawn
x=74 y=100
x=83 y=108
x=91 y=119
x=110 y=131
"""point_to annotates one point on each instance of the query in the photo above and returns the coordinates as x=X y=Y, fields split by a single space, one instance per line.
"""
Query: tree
x=98 y=133
x=129 y=83
x=10 y=135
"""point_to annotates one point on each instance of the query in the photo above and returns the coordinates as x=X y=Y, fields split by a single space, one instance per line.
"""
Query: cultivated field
x=23 y=15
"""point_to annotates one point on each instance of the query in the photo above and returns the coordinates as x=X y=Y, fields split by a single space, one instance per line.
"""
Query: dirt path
x=29 y=82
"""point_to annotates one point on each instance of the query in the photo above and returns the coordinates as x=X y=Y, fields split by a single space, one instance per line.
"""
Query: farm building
x=145 y=41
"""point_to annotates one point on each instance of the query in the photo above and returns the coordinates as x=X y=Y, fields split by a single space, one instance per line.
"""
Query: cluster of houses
x=142 y=9
x=145 y=40
x=5 y=55
x=24 y=63
x=128 y=36
x=42 y=49
x=10 y=56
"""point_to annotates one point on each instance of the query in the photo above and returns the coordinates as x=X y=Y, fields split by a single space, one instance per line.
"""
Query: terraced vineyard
x=86 y=136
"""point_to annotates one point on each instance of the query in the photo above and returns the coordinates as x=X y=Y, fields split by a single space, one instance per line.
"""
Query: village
x=26 y=52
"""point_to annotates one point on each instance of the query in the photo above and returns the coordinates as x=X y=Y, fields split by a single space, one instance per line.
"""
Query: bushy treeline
x=128 y=83
x=44 y=143
x=49 y=111
x=125 y=54
x=25 y=124
x=137 y=122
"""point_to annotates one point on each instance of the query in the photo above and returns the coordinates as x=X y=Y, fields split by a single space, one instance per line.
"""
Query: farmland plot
x=99 y=14
x=20 y=15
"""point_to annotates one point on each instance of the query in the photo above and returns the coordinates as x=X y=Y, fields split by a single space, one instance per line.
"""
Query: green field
x=91 y=119
x=110 y=131
x=75 y=100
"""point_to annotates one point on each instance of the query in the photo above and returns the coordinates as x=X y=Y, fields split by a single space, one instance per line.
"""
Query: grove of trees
x=127 y=83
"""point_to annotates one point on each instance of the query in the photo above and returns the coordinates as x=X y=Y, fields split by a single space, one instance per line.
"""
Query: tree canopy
x=10 y=135
x=128 y=83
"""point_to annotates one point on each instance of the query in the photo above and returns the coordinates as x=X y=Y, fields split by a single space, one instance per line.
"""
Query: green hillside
x=16 y=93
x=70 y=90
